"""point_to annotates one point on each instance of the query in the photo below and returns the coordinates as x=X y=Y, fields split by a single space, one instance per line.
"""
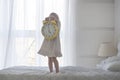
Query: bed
x=108 y=69
x=66 y=73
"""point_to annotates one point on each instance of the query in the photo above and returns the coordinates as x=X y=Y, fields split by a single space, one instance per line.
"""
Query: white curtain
x=20 y=34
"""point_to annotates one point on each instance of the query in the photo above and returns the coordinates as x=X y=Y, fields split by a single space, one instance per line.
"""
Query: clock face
x=50 y=30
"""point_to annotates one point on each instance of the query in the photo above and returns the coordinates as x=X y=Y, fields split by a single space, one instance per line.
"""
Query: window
x=26 y=13
x=25 y=30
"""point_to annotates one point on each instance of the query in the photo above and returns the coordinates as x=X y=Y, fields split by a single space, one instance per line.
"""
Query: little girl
x=52 y=48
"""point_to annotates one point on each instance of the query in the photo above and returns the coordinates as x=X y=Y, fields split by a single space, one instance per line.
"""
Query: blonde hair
x=54 y=15
x=56 y=18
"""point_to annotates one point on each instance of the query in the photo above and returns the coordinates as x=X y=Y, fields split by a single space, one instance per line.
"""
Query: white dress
x=51 y=48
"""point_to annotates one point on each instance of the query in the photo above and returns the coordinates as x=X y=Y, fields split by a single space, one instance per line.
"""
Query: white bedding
x=66 y=73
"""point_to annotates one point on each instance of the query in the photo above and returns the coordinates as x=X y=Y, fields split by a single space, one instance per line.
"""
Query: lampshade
x=106 y=50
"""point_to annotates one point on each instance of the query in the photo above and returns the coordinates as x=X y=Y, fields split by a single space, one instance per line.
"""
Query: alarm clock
x=50 y=29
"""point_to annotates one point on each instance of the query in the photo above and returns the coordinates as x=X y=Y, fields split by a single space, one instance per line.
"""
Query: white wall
x=95 y=24
x=117 y=21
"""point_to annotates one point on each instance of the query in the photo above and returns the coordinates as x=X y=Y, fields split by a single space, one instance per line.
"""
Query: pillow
x=113 y=66
x=107 y=62
x=118 y=47
x=118 y=53
x=110 y=59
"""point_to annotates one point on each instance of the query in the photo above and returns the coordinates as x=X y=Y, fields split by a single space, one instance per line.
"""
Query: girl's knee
x=50 y=58
x=54 y=59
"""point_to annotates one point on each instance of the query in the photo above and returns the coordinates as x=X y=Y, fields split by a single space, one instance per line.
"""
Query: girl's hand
x=52 y=18
x=47 y=18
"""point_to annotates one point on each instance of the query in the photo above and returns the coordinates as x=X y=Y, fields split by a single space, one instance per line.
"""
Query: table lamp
x=107 y=50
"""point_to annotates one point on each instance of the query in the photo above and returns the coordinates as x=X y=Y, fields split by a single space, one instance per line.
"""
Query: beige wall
x=117 y=21
x=95 y=24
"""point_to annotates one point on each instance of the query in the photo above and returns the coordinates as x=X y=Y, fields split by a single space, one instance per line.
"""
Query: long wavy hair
x=56 y=17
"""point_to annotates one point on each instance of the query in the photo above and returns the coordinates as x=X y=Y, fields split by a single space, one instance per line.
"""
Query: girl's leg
x=56 y=64
x=50 y=64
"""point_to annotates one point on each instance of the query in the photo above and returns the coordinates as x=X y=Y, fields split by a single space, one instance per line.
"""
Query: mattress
x=66 y=73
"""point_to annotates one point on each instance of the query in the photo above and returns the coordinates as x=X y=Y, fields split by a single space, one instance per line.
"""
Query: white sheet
x=66 y=73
